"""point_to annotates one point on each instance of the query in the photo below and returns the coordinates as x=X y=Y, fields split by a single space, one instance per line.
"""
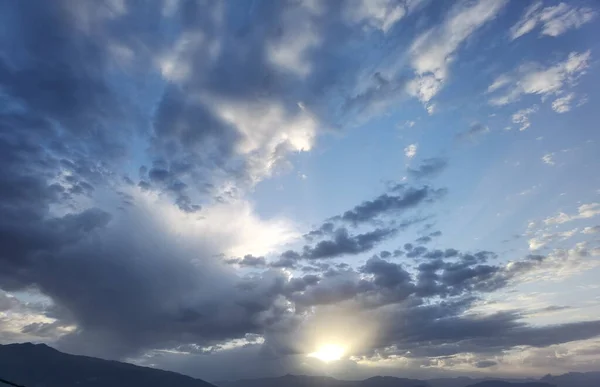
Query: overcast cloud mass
x=222 y=188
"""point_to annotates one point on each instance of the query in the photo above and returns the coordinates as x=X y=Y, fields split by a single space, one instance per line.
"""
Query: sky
x=351 y=188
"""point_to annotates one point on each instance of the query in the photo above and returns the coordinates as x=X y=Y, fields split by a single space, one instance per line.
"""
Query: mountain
x=501 y=383
x=290 y=381
x=589 y=379
x=324 y=381
x=576 y=379
x=38 y=365
x=34 y=365
x=464 y=381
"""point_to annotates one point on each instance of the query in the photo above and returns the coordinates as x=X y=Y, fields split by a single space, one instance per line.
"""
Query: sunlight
x=328 y=353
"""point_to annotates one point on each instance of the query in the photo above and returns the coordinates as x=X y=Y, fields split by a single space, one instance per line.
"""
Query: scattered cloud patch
x=563 y=104
x=584 y=211
x=553 y=20
x=428 y=168
x=521 y=117
x=548 y=158
x=434 y=50
x=591 y=230
x=410 y=151
x=475 y=130
x=538 y=80
x=542 y=240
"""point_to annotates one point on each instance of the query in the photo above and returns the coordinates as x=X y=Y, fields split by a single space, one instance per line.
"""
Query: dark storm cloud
x=391 y=283
x=428 y=238
x=326 y=229
x=428 y=168
x=389 y=204
x=485 y=363
x=424 y=239
x=248 y=260
x=416 y=252
x=443 y=330
x=344 y=243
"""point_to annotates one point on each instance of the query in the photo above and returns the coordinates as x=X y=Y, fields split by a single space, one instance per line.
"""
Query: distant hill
x=575 y=379
x=501 y=383
x=39 y=365
x=324 y=381
x=590 y=379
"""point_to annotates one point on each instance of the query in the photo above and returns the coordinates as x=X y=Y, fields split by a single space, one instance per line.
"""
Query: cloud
x=248 y=261
x=548 y=158
x=475 y=130
x=128 y=152
x=485 y=363
x=521 y=117
x=380 y=14
x=428 y=238
x=554 y=20
x=584 y=211
x=428 y=168
x=410 y=151
x=434 y=50
x=390 y=203
x=591 y=230
x=538 y=80
x=542 y=240
x=563 y=104
x=343 y=243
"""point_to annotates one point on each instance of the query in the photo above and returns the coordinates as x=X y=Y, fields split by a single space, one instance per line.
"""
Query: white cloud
x=561 y=264
x=177 y=63
x=547 y=158
x=563 y=104
x=269 y=133
x=410 y=124
x=433 y=51
x=545 y=238
x=584 y=211
x=410 y=151
x=298 y=36
x=533 y=79
x=554 y=20
x=379 y=14
x=522 y=117
x=499 y=82
x=591 y=230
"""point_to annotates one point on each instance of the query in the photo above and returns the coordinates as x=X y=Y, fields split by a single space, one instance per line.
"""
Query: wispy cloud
x=554 y=20
x=548 y=158
x=433 y=51
x=535 y=79
x=521 y=117
x=583 y=212
x=563 y=104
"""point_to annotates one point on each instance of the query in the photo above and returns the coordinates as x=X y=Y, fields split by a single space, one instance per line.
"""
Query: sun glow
x=328 y=353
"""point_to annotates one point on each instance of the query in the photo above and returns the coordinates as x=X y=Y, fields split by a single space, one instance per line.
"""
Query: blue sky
x=191 y=184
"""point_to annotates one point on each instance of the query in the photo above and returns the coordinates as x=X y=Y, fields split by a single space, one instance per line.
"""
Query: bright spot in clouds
x=328 y=353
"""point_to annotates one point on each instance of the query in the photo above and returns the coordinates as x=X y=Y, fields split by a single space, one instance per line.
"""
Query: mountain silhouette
x=501 y=383
x=37 y=365
x=33 y=365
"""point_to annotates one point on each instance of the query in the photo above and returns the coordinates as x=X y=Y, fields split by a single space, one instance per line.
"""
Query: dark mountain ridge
x=35 y=365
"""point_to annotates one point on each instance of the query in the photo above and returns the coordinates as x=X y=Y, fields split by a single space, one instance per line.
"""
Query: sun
x=329 y=352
